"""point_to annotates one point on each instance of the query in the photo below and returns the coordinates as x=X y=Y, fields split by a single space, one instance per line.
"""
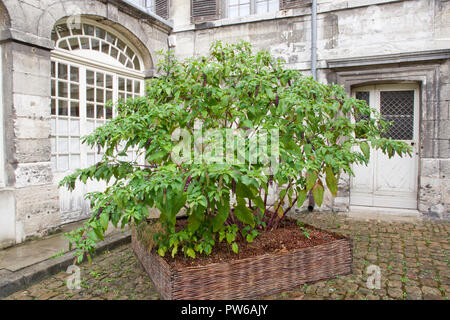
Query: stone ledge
x=11 y=282
x=389 y=59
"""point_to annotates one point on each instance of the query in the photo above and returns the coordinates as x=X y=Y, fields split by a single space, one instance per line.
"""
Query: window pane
x=75 y=127
x=53 y=107
x=120 y=45
x=74 y=109
x=109 y=95
x=130 y=53
x=53 y=69
x=114 y=52
x=109 y=81
x=100 y=79
x=62 y=127
x=137 y=87
x=63 y=45
x=90 y=77
x=63 y=145
x=105 y=47
x=62 y=89
x=233 y=12
x=74 y=91
x=62 y=108
x=122 y=59
x=245 y=10
x=110 y=38
x=75 y=162
x=88 y=30
x=121 y=84
x=99 y=33
x=95 y=45
x=74 y=45
x=76 y=29
x=100 y=95
x=100 y=112
x=62 y=71
x=74 y=145
x=53 y=88
x=90 y=113
x=137 y=64
x=261 y=7
x=109 y=112
x=74 y=74
x=90 y=94
x=274 y=6
x=84 y=43
x=53 y=145
x=63 y=163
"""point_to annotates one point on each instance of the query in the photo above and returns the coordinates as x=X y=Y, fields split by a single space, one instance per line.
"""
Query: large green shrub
x=232 y=90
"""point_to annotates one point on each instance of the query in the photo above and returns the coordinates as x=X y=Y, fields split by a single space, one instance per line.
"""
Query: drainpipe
x=314 y=39
x=311 y=202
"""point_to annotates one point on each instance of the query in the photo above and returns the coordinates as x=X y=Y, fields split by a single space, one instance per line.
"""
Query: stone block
x=33 y=150
x=38 y=209
x=429 y=168
x=33 y=174
x=31 y=106
x=29 y=84
x=27 y=128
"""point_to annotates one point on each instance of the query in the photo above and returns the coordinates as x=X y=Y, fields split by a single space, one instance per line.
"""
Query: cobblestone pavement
x=413 y=258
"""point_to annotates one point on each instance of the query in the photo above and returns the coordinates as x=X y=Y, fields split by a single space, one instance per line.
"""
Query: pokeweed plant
x=316 y=133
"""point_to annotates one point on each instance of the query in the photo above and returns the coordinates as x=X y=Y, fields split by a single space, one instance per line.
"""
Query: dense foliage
x=232 y=89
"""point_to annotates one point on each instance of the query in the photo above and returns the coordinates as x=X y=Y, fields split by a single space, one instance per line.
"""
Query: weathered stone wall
x=400 y=32
x=29 y=203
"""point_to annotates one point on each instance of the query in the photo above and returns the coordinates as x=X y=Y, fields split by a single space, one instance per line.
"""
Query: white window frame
x=86 y=61
x=253 y=7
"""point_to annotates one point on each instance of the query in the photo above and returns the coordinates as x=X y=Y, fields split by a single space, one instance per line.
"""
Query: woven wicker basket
x=247 y=278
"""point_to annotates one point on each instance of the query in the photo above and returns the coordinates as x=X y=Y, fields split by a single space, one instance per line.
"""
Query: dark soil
x=287 y=237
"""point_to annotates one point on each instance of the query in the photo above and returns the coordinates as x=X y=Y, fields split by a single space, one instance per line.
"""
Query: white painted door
x=390 y=183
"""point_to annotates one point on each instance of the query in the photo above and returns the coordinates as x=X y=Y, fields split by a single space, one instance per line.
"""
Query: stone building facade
x=393 y=53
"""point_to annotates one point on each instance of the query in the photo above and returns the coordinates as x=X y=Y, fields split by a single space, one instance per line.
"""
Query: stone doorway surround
x=429 y=69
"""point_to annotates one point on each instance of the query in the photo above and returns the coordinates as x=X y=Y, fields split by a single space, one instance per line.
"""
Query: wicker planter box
x=248 y=278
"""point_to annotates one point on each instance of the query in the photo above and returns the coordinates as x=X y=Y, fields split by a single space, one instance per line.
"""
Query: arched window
x=88 y=40
x=91 y=65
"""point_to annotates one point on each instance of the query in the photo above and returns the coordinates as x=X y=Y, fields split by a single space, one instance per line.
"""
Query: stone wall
x=29 y=204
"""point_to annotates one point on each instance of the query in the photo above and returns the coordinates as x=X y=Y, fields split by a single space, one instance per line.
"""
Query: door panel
x=390 y=182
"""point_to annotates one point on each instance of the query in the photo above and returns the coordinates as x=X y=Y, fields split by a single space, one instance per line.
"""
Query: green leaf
x=311 y=179
x=332 y=182
x=302 y=194
x=318 y=194
x=104 y=220
x=196 y=218
x=161 y=252
x=235 y=247
x=190 y=253
x=365 y=148
x=222 y=215
x=244 y=214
